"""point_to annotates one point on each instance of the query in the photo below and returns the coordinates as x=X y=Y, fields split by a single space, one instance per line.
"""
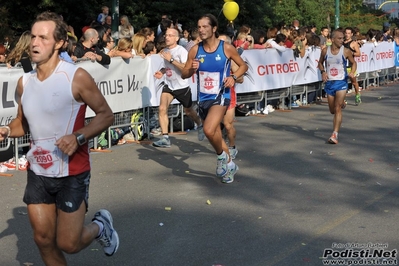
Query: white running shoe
x=233 y=152
x=229 y=178
x=109 y=238
x=221 y=167
x=162 y=143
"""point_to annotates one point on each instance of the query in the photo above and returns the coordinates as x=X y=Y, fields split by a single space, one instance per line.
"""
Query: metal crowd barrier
x=122 y=119
x=296 y=90
x=251 y=97
x=277 y=94
x=5 y=145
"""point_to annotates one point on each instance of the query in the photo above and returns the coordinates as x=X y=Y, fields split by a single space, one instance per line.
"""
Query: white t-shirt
x=173 y=74
x=276 y=45
x=125 y=32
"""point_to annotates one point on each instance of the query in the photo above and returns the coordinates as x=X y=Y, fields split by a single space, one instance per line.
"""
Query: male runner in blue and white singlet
x=210 y=60
x=332 y=64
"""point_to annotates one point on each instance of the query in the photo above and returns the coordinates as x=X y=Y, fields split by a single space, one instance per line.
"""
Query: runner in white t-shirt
x=175 y=87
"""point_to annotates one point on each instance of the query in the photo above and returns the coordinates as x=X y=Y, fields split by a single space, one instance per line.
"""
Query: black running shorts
x=67 y=193
x=182 y=95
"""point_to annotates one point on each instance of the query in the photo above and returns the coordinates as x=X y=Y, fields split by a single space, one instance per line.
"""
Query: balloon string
x=220 y=12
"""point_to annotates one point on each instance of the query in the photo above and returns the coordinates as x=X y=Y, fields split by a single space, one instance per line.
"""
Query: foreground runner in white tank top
x=52 y=105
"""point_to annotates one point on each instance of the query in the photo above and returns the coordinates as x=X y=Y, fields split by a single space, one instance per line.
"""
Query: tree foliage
x=16 y=16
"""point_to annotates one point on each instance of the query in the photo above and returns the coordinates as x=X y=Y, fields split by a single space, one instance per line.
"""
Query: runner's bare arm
x=234 y=68
x=85 y=90
x=355 y=46
x=323 y=53
x=191 y=65
x=232 y=53
x=349 y=56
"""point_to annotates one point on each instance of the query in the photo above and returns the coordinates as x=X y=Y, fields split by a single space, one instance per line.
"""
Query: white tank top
x=336 y=64
x=52 y=112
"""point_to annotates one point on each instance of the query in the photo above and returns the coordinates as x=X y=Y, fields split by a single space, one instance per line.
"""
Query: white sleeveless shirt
x=336 y=64
x=52 y=112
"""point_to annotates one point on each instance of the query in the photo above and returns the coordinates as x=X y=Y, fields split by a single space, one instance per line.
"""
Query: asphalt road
x=294 y=197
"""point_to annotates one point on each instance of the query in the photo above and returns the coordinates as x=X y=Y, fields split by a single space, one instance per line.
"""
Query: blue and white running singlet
x=213 y=69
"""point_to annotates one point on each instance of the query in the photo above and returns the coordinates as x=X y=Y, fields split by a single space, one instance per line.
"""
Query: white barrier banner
x=308 y=67
x=374 y=58
x=8 y=82
x=268 y=69
x=124 y=83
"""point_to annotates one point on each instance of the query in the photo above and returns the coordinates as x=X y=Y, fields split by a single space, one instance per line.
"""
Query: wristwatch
x=234 y=77
x=80 y=138
x=171 y=60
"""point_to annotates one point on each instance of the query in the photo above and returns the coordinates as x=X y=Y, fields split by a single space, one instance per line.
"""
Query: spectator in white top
x=126 y=30
x=271 y=35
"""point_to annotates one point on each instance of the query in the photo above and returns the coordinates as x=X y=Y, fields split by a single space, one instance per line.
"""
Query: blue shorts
x=332 y=86
x=203 y=107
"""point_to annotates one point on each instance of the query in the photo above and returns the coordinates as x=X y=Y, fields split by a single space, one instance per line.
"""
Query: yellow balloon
x=230 y=10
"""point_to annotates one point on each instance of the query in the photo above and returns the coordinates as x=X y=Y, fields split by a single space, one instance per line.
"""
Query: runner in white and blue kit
x=210 y=60
x=332 y=64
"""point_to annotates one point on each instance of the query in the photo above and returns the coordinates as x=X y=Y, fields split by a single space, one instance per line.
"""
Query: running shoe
x=162 y=143
x=156 y=131
x=294 y=105
x=221 y=168
x=358 y=99
x=229 y=178
x=233 y=152
x=333 y=139
x=108 y=238
x=201 y=134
